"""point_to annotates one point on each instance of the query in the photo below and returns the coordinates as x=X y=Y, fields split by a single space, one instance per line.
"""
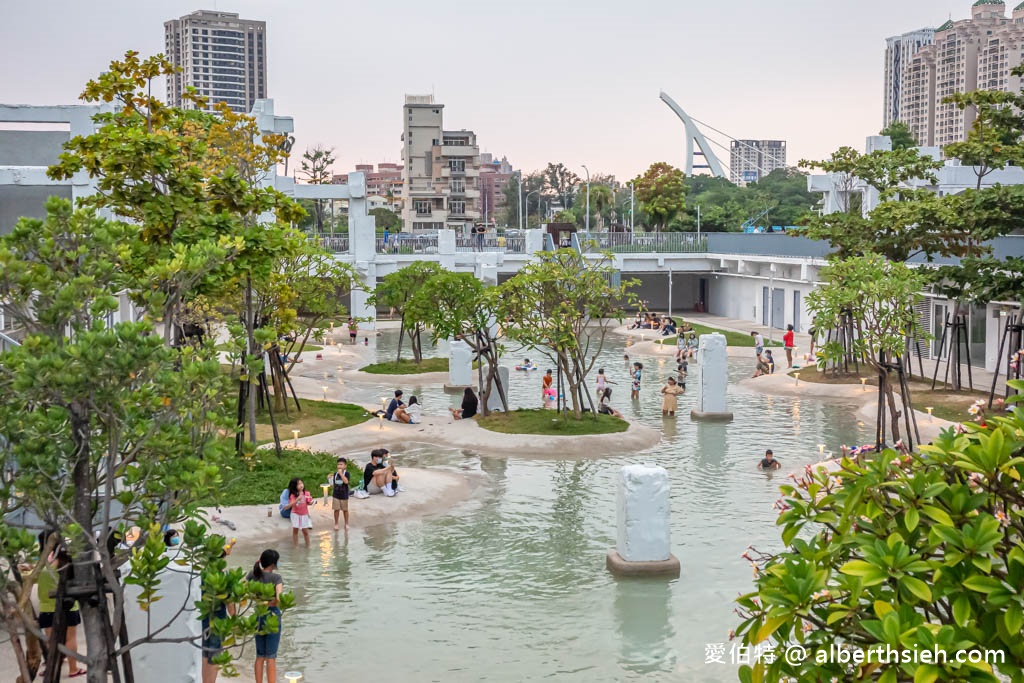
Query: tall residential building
x=441 y=170
x=751 y=160
x=223 y=57
x=969 y=54
x=898 y=51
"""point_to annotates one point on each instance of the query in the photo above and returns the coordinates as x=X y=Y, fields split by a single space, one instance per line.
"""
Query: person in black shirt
x=339 y=497
x=470 y=405
x=768 y=462
x=395 y=402
x=379 y=477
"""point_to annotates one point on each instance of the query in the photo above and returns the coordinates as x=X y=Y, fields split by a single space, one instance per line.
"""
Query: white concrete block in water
x=494 y=400
x=644 y=539
x=167 y=662
x=712 y=379
x=643 y=514
x=460 y=364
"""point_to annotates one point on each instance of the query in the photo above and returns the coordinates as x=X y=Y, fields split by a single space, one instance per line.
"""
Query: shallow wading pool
x=511 y=586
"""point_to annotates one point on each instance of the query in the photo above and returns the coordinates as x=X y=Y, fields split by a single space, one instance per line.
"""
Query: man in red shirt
x=789 y=343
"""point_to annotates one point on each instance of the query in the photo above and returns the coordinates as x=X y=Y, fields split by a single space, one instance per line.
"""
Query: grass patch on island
x=407 y=367
x=262 y=483
x=550 y=423
x=305 y=349
x=732 y=338
x=316 y=417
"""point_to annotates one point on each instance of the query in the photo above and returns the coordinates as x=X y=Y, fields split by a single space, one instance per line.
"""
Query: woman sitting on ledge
x=604 y=408
x=408 y=414
x=470 y=404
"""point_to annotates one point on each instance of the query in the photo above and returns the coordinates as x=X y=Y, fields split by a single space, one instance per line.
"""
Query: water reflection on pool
x=511 y=585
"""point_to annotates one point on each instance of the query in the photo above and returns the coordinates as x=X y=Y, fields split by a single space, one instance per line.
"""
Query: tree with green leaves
x=879 y=296
x=563 y=305
x=601 y=202
x=900 y=134
x=316 y=165
x=661 y=191
x=386 y=220
x=397 y=291
x=560 y=182
x=908 y=552
x=459 y=306
x=106 y=429
x=182 y=175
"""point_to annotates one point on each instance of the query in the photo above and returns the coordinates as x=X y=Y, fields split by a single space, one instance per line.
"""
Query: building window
x=457 y=165
x=458 y=208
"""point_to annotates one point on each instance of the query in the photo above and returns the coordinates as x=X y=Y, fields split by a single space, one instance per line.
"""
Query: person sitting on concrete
x=692 y=344
x=605 y=408
x=768 y=462
x=410 y=414
x=286 y=511
x=395 y=403
x=762 y=367
x=670 y=328
x=379 y=476
x=470 y=405
x=769 y=361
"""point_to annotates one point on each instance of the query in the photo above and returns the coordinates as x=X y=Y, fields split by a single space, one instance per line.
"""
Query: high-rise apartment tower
x=223 y=57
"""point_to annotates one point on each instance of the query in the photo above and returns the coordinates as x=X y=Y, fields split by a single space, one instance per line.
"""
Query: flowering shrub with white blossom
x=911 y=551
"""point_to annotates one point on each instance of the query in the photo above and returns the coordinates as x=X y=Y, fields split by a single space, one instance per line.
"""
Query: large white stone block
x=167 y=662
x=460 y=364
x=713 y=377
x=643 y=514
x=494 y=400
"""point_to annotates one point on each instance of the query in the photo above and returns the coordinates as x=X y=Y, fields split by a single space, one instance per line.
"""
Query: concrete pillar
x=166 y=662
x=712 y=379
x=460 y=367
x=534 y=241
x=360 y=297
x=643 y=539
x=446 y=244
x=494 y=400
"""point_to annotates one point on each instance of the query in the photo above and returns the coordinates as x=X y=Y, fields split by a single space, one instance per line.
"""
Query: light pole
x=771 y=303
x=520 y=212
x=588 y=202
x=632 y=196
x=526 y=208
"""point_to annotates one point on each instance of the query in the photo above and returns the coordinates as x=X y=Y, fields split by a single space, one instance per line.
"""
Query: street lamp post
x=588 y=202
x=632 y=196
x=520 y=212
x=526 y=208
x=771 y=303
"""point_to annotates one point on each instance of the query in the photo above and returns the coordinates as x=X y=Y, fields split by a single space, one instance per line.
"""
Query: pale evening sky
x=538 y=80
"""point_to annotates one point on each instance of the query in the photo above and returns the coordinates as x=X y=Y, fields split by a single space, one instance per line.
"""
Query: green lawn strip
x=262 y=484
x=549 y=423
x=407 y=367
x=315 y=417
x=732 y=338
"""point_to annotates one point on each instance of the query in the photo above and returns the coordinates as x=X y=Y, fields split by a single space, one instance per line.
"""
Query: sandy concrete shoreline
x=427 y=492
x=781 y=384
x=468 y=435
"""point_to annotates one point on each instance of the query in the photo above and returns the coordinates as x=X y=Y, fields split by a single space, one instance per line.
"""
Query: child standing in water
x=638 y=371
x=299 y=500
x=669 y=404
x=602 y=384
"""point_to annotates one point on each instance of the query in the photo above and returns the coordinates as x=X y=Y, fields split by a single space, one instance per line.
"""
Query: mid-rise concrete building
x=751 y=160
x=385 y=182
x=220 y=55
x=965 y=55
x=441 y=170
x=494 y=176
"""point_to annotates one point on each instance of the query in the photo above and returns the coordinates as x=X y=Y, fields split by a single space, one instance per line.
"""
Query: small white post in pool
x=644 y=539
x=712 y=379
x=460 y=367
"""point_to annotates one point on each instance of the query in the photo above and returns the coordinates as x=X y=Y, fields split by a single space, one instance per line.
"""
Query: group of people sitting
x=399 y=411
x=665 y=325
x=765 y=363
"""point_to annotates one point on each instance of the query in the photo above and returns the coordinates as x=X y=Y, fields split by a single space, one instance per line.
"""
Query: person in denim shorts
x=265 y=571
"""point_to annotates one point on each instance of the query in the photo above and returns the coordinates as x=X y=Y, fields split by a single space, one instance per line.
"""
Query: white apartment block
x=223 y=57
x=441 y=170
x=752 y=160
x=899 y=50
x=969 y=54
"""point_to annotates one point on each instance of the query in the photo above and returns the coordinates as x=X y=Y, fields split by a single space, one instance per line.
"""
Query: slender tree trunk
x=250 y=350
x=401 y=338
